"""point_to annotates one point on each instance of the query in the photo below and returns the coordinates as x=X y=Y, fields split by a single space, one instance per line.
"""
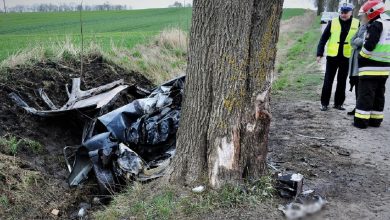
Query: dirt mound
x=39 y=142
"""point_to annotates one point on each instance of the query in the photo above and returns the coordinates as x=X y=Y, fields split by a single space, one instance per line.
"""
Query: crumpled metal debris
x=133 y=142
x=80 y=100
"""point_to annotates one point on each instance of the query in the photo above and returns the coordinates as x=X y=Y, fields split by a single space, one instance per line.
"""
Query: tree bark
x=225 y=119
x=357 y=5
x=320 y=6
x=333 y=5
x=5 y=9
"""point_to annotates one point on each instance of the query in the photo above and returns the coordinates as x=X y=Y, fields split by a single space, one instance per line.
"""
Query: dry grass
x=161 y=59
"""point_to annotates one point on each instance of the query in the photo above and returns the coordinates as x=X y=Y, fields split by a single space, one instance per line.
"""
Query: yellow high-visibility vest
x=334 y=40
x=381 y=51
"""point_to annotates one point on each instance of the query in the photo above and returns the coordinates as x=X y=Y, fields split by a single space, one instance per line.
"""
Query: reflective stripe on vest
x=334 y=40
x=374 y=71
x=381 y=51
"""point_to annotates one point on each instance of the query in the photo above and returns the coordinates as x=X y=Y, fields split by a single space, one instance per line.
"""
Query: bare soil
x=349 y=167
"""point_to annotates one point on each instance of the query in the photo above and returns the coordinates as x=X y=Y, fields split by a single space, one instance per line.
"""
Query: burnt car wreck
x=135 y=142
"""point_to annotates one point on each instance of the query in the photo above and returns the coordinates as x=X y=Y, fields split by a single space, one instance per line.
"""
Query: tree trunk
x=333 y=5
x=225 y=119
x=357 y=4
x=5 y=9
x=320 y=6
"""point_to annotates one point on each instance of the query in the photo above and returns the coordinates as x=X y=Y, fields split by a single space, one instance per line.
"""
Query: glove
x=357 y=43
x=352 y=82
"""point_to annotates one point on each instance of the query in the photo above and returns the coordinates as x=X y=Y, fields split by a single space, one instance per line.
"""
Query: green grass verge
x=125 y=29
x=299 y=71
x=153 y=201
x=292 y=12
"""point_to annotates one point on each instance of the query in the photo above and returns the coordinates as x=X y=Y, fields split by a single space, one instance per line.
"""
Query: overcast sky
x=138 y=4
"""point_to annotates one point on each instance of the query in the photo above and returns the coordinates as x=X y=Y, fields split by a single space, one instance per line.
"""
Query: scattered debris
x=306 y=192
x=317 y=138
x=307 y=203
x=289 y=185
x=304 y=202
x=199 y=189
x=344 y=152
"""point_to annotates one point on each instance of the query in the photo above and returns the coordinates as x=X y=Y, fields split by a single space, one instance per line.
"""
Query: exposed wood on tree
x=225 y=120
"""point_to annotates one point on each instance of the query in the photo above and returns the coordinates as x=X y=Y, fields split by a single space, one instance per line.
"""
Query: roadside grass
x=11 y=145
x=292 y=12
x=299 y=71
x=158 y=201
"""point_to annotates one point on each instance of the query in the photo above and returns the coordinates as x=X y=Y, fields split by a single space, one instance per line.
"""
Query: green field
x=123 y=28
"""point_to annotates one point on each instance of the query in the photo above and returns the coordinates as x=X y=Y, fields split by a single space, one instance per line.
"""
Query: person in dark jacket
x=357 y=44
x=374 y=67
x=338 y=35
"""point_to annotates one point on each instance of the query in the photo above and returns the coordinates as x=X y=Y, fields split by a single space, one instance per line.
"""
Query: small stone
x=96 y=201
x=82 y=213
x=198 y=189
x=55 y=212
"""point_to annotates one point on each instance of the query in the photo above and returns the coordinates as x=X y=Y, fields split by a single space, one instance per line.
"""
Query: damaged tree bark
x=225 y=118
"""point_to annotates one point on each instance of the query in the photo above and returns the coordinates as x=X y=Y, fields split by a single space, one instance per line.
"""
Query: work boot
x=375 y=123
x=339 y=107
x=357 y=125
x=324 y=108
x=351 y=112
x=360 y=123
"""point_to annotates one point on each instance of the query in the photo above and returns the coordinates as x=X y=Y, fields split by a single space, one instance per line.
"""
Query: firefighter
x=338 y=34
x=374 y=67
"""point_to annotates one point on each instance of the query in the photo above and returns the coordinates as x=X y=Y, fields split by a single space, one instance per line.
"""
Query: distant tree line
x=65 y=7
x=177 y=4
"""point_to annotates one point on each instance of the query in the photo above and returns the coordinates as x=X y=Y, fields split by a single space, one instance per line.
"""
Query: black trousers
x=334 y=65
x=371 y=102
